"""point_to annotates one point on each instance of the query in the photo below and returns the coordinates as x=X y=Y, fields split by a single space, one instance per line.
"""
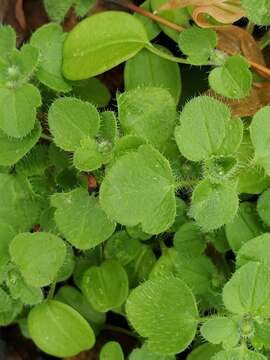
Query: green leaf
x=74 y=298
x=257 y=249
x=136 y=233
x=82 y=7
x=68 y=266
x=189 y=241
x=248 y=291
x=80 y=218
x=39 y=256
x=233 y=137
x=111 y=351
x=105 y=286
x=177 y=16
x=35 y=162
x=18 y=110
x=20 y=290
x=221 y=330
x=19 y=206
x=213 y=205
x=144 y=354
x=245 y=226
x=261 y=337
x=148 y=69
x=57 y=9
x=148 y=112
x=9 y=308
x=233 y=79
x=71 y=120
x=126 y=144
x=258 y=11
x=164 y=311
x=108 y=38
x=93 y=91
x=263 y=207
x=6 y=235
x=139 y=189
x=12 y=150
x=86 y=156
x=7 y=41
x=49 y=40
x=59 y=330
x=238 y=354
x=260 y=135
x=204 y=352
x=150 y=25
x=202 y=129
x=198 y=44
x=122 y=248
x=165 y=264
x=108 y=127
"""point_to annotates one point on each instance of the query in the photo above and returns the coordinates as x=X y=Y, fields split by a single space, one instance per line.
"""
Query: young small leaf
x=39 y=256
x=148 y=112
x=202 y=129
x=213 y=205
x=80 y=218
x=146 y=68
x=248 y=291
x=18 y=109
x=233 y=79
x=108 y=38
x=71 y=120
x=86 y=156
x=221 y=330
x=105 y=286
x=7 y=41
x=164 y=311
x=59 y=330
x=49 y=40
x=198 y=44
x=139 y=189
x=111 y=351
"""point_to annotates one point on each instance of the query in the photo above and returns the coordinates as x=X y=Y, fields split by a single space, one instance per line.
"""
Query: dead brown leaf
x=258 y=97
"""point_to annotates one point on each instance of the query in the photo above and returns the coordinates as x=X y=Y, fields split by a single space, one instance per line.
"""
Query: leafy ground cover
x=143 y=207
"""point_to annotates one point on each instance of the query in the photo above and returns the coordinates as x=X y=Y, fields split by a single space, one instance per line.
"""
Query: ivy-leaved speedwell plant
x=155 y=209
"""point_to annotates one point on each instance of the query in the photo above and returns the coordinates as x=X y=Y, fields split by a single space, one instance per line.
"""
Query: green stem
x=250 y=27
x=51 y=291
x=164 y=55
x=46 y=137
x=119 y=330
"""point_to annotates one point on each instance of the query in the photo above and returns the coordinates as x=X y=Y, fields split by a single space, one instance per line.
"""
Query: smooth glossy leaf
x=245 y=226
x=233 y=79
x=148 y=112
x=164 y=311
x=18 y=110
x=248 y=291
x=59 y=330
x=213 y=205
x=80 y=218
x=39 y=256
x=105 y=286
x=202 y=129
x=146 y=68
x=111 y=351
x=139 y=189
x=105 y=40
x=71 y=120
x=49 y=40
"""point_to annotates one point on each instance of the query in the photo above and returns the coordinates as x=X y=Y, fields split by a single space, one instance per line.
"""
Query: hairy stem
x=51 y=291
x=46 y=137
x=119 y=330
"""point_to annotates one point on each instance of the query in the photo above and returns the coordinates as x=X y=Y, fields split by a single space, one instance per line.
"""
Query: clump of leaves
x=155 y=208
